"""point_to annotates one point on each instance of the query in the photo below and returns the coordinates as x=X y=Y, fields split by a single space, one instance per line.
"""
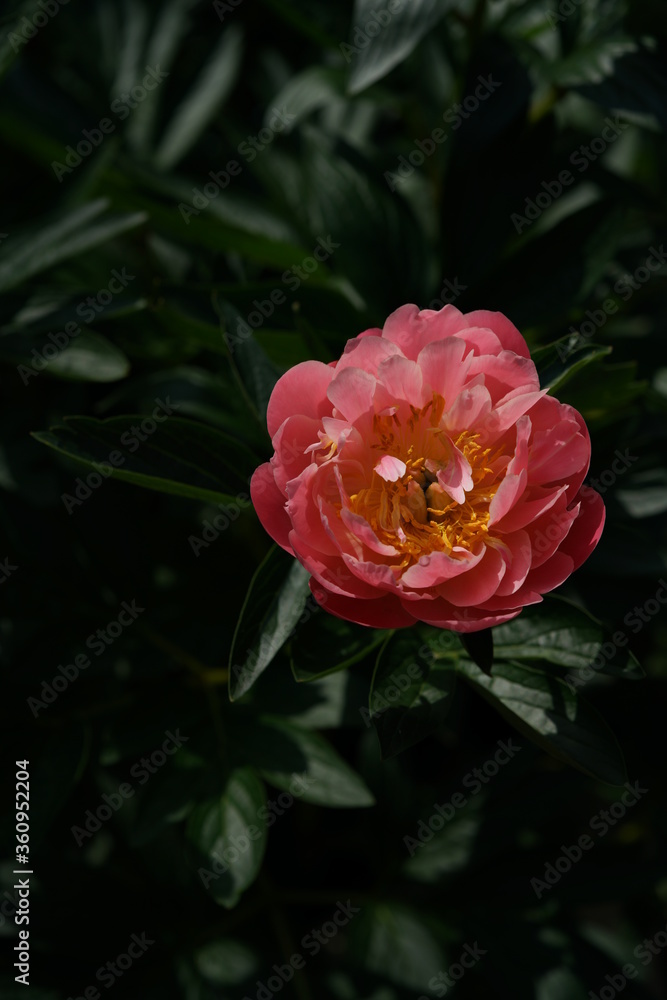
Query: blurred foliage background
x=196 y=197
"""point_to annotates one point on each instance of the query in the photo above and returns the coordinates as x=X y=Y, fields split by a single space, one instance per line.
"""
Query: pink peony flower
x=424 y=476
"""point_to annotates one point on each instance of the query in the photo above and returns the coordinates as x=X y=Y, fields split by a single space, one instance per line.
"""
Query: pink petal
x=367 y=352
x=505 y=330
x=444 y=368
x=302 y=389
x=444 y=615
x=411 y=329
x=383 y=612
x=478 y=584
x=438 y=567
x=352 y=392
x=269 y=503
x=390 y=468
x=518 y=555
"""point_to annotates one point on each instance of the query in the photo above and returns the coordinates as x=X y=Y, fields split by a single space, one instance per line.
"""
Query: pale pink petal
x=390 y=468
x=352 y=392
x=367 y=353
x=444 y=368
x=437 y=567
x=411 y=329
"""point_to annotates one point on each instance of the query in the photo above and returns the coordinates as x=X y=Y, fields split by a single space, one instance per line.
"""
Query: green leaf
x=401 y=30
x=410 y=696
x=170 y=27
x=254 y=370
x=273 y=605
x=558 y=632
x=301 y=762
x=199 y=107
x=304 y=93
x=179 y=456
x=55 y=242
x=325 y=644
x=395 y=943
x=556 y=363
x=545 y=710
x=230 y=832
x=89 y=357
x=636 y=88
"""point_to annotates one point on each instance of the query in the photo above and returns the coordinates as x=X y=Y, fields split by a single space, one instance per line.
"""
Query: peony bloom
x=425 y=476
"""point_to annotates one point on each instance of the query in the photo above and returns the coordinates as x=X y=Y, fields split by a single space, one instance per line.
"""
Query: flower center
x=429 y=492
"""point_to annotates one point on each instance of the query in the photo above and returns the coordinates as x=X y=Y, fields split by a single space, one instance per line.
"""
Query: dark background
x=444 y=232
